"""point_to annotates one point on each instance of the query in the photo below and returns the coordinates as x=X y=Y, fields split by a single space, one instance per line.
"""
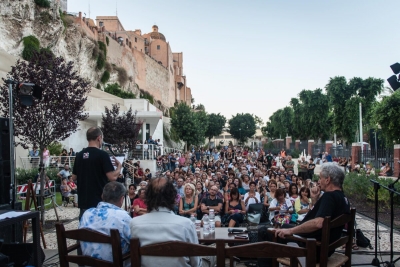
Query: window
x=158 y=47
x=135 y=39
x=101 y=24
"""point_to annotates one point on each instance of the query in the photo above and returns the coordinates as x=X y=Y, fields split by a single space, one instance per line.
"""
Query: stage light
x=394 y=82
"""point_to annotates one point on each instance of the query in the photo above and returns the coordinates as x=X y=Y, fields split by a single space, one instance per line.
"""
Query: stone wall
x=157 y=80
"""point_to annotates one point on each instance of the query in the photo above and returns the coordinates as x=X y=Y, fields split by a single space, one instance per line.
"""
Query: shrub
x=101 y=61
x=147 y=96
x=31 y=46
x=359 y=187
x=107 y=40
x=45 y=17
x=115 y=89
x=295 y=153
x=98 y=86
x=55 y=148
x=103 y=48
x=122 y=75
x=42 y=3
x=105 y=77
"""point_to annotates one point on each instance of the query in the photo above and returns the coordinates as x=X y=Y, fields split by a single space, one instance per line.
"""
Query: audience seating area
x=285 y=254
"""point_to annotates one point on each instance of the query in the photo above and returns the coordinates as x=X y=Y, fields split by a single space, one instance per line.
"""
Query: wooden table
x=222 y=234
x=34 y=215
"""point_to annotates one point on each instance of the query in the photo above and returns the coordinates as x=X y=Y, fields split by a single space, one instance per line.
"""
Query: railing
x=168 y=150
x=376 y=157
x=145 y=152
x=53 y=162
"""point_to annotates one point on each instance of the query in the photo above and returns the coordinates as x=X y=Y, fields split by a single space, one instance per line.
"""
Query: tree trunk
x=42 y=184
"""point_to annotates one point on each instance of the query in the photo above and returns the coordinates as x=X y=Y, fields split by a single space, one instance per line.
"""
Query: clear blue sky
x=254 y=56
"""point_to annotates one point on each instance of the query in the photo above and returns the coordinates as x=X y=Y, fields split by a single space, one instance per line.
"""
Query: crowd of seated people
x=227 y=182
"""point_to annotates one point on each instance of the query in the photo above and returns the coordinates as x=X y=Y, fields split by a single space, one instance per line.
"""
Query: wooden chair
x=176 y=249
x=274 y=250
x=336 y=259
x=88 y=235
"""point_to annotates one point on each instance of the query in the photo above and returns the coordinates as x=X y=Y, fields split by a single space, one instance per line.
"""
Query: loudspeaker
x=5 y=169
x=395 y=68
x=11 y=233
x=20 y=254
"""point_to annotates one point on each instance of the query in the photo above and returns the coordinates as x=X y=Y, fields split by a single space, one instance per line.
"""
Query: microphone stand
x=392 y=191
x=375 y=261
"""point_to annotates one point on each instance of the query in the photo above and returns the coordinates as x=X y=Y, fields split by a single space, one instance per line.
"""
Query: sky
x=254 y=56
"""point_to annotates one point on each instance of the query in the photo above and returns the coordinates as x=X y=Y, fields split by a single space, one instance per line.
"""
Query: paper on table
x=12 y=214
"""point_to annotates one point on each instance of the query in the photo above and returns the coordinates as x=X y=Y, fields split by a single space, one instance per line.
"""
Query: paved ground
x=363 y=255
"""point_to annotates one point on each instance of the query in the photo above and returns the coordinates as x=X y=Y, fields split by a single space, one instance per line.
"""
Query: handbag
x=254 y=217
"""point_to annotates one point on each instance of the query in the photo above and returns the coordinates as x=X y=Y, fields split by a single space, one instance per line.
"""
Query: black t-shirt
x=91 y=166
x=311 y=170
x=212 y=202
x=269 y=158
x=331 y=204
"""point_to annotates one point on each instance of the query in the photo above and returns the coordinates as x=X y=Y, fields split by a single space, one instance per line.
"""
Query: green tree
x=344 y=98
x=242 y=126
x=311 y=115
x=280 y=124
x=386 y=114
x=216 y=123
x=189 y=126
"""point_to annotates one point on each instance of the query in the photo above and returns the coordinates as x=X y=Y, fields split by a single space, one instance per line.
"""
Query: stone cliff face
x=76 y=42
x=23 y=18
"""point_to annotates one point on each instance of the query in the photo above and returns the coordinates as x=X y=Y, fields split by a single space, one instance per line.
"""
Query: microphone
x=107 y=144
x=233 y=230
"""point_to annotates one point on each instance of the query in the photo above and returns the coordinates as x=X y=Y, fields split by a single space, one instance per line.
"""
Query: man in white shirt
x=161 y=224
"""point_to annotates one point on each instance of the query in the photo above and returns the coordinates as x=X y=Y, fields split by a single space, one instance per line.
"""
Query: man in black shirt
x=332 y=203
x=212 y=202
x=92 y=170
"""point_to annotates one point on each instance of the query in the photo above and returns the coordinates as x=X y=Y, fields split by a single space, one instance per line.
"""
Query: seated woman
x=139 y=205
x=302 y=204
x=235 y=208
x=293 y=193
x=252 y=197
x=280 y=209
x=74 y=190
x=188 y=204
x=386 y=171
x=238 y=183
x=132 y=196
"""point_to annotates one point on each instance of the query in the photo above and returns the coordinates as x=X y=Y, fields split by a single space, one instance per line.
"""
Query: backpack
x=362 y=241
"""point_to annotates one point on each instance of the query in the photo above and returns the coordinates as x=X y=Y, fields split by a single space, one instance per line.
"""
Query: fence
x=53 y=162
x=145 y=152
x=376 y=157
x=168 y=150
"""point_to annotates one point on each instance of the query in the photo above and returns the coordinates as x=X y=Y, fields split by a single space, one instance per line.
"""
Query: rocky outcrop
x=23 y=18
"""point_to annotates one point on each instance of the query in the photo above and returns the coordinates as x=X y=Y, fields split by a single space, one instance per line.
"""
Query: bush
x=98 y=86
x=105 y=77
x=359 y=187
x=107 y=40
x=101 y=61
x=23 y=175
x=122 y=75
x=295 y=153
x=55 y=148
x=42 y=3
x=45 y=17
x=147 y=96
x=115 y=89
x=103 y=48
x=31 y=46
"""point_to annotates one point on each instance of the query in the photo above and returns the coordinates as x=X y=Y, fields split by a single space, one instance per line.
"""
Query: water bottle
x=211 y=214
x=206 y=224
x=193 y=219
x=212 y=226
